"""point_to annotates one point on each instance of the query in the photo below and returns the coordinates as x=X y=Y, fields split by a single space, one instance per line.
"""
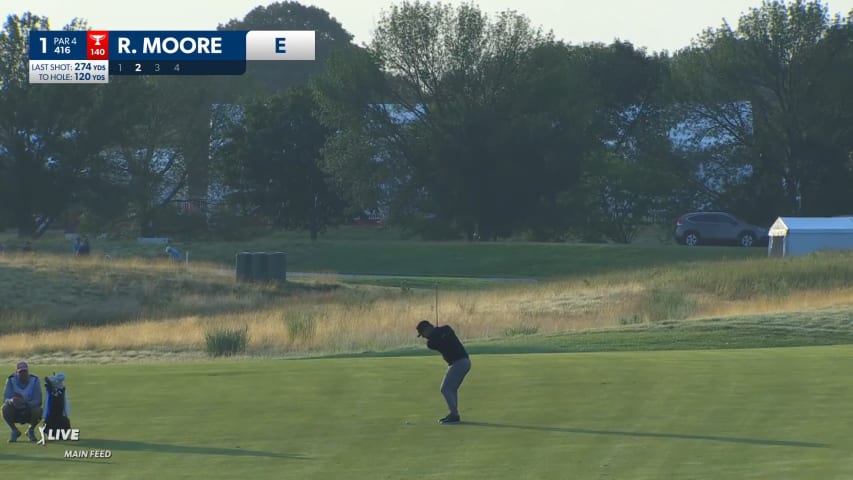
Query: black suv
x=700 y=228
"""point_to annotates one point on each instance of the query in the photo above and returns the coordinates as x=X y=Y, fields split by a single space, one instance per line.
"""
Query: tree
x=631 y=171
x=291 y=15
x=471 y=123
x=48 y=133
x=360 y=156
x=268 y=77
x=770 y=94
x=272 y=162
x=144 y=165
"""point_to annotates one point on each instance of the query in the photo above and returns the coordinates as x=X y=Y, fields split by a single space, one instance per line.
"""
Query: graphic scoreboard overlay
x=95 y=55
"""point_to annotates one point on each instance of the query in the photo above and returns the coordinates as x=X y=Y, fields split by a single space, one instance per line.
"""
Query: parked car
x=705 y=228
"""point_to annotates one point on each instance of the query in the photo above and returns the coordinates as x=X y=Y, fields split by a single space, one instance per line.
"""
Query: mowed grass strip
x=754 y=414
x=380 y=253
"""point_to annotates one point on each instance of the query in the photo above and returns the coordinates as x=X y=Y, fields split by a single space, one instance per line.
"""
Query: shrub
x=228 y=223
x=169 y=221
x=226 y=341
x=521 y=330
x=632 y=320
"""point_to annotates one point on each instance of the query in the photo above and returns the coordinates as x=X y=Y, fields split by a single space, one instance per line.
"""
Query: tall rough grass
x=767 y=277
x=668 y=304
x=310 y=318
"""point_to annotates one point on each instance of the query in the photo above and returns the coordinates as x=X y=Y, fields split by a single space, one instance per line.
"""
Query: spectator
x=77 y=245
x=84 y=247
x=173 y=253
x=28 y=247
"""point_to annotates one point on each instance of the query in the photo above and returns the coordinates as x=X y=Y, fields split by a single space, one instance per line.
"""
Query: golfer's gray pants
x=452 y=380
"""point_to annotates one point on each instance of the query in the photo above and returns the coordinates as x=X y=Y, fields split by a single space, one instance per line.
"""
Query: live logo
x=69 y=434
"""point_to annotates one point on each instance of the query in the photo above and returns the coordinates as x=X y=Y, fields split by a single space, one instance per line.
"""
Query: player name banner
x=93 y=56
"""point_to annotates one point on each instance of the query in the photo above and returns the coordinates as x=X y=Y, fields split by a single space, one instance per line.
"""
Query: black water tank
x=244 y=267
x=277 y=266
x=260 y=267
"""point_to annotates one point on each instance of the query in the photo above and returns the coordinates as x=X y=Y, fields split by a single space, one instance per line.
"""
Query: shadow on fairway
x=28 y=458
x=136 y=446
x=682 y=436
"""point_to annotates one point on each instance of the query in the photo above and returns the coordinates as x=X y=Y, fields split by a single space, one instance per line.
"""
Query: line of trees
x=453 y=123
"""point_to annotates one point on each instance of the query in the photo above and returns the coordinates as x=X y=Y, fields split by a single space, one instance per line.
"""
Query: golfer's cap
x=22 y=366
x=421 y=326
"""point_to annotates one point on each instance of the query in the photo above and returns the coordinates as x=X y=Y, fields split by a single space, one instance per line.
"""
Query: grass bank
x=60 y=304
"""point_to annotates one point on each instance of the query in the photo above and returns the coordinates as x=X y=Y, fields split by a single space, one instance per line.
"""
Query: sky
x=654 y=24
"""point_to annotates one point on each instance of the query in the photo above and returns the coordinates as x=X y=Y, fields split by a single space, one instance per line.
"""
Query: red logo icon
x=97 y=45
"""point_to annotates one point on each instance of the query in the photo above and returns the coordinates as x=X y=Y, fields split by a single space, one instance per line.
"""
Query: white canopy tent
x=791 y=236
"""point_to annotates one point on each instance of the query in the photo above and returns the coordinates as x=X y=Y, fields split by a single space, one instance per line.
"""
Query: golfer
x=444 y=340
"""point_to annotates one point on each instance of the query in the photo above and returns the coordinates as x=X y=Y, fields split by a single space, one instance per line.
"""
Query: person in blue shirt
x=173 y=253
x=22 y=402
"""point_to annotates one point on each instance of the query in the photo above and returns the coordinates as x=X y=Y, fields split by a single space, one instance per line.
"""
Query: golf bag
x=56 y=405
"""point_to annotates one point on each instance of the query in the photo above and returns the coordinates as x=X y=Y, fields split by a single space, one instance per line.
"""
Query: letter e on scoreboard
x=97 y=45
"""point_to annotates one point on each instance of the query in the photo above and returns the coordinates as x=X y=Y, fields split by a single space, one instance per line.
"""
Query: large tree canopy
x=473 y=123
x=48 y=133
x=770 y=92
x=291 y=15
x=270 y=160
x=630 y=171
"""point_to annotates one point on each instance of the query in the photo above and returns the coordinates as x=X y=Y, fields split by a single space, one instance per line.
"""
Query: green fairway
x=768 y=413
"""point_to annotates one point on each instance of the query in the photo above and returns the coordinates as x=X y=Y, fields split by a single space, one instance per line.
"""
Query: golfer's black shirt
x=444 y=340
